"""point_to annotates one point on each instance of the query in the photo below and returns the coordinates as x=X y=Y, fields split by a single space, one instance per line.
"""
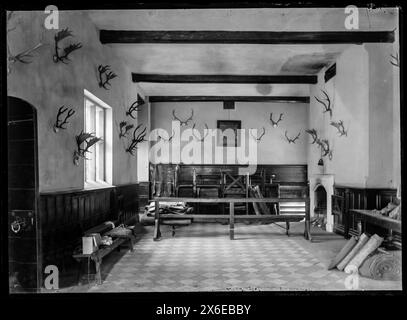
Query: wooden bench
x=99 y=254
x=364 y=217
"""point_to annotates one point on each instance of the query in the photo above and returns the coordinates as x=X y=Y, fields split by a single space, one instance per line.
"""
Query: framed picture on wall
x=231 y=137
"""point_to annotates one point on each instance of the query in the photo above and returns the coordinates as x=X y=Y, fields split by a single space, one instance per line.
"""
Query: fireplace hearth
x=321 y=191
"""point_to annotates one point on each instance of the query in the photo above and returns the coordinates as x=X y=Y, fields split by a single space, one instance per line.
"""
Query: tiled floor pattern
x=202 y=258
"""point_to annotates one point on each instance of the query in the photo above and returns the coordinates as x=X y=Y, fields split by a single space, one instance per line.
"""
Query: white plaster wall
x=272 y=149
x=349 y=95
x=48 y=85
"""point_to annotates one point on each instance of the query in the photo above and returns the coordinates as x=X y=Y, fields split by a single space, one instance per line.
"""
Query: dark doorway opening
x=320 y=207
x=23 y=235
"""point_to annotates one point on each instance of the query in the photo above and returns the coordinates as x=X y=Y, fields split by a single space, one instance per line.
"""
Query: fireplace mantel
x=327 y=181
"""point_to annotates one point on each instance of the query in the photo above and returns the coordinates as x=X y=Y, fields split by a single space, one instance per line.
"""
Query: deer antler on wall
x=22 y=56
x=327 y=105
x=341 y=129
x=394 y=60
x=275 y=123
x=135 y=106
x=259 y=137
x=293 y=139
x=89 y=139
x=324 y=145
x=313 y=134
x=205 y=135
x=124 y=128
x=183 y=123
x=59 y=36
x=138 y=137
x=108 y=75
x=169 y=139
x=59 y=124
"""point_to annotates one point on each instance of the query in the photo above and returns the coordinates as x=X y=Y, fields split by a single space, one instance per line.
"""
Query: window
x=98 y=118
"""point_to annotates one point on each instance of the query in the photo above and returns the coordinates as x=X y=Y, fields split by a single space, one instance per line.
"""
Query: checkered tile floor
x=202 y=258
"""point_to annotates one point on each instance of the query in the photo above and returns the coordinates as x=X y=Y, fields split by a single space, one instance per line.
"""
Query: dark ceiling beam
x=289 y=99
x=251 y=37
x=202 y=78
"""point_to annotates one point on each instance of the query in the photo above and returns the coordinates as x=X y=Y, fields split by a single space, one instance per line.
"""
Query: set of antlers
x=138 y=137
x=89 y=139
x=22 y=57
x=135 y=106
x=124 y=128
x=60 y=35
x=259 y=137
x=327 y=105
x=275 y=123
x=183 y=123
x=59 y=123
x=169 y=139
x=394 y=60
x=292 y=140
x=205 y=135
x=341 y=129
x=323 y=144
x=106 y=73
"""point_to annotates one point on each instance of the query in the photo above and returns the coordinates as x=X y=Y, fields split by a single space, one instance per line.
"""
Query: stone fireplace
x=327 y=182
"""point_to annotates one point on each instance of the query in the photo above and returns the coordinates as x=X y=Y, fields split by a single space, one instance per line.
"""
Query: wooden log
x=255 y=205
x=263 y=206
x=364 y=238
x=374 y=242
x=343 y=253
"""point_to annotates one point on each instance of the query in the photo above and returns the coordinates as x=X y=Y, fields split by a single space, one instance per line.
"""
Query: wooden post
x=307 y=231
x=157 y=233
x=232 y=221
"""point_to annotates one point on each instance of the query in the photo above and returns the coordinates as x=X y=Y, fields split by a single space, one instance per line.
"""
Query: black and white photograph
x=203 y=149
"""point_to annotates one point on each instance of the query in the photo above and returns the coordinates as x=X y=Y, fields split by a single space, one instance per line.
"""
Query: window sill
x=97 y=185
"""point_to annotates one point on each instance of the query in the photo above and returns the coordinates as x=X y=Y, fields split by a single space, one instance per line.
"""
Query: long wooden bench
x=232 y=217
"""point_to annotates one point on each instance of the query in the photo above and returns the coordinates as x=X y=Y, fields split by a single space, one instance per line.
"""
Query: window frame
x=107 y=141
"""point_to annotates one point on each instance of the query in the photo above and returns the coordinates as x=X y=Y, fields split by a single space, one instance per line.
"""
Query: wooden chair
x=235 y=186
x=208 y=185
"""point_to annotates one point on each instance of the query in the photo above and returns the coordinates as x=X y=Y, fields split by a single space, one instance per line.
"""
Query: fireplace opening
x=320 y=212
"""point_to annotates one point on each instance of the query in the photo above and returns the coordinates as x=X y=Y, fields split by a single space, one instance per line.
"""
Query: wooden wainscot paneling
x=66 y=215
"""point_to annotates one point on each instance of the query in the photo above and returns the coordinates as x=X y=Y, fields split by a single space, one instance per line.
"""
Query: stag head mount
x=124 y=128
x=292 y=140
x=314 y=135
x=325 y=102
x=105 y=75
x=275 y=123
x=341 y=129
x=205 y=133
x=66 y=51
x=138 y=137
x=165 y=139
x=88 y=139
x=183 y=122
x=325 y=148
x=135 y=106
x=394 y=60
x=59 y=123
x=259 y=137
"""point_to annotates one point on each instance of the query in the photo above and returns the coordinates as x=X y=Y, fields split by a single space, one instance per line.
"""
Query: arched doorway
x=23 y=235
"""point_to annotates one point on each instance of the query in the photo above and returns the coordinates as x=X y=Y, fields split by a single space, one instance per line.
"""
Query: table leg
x=307 y=224
x=98 y=262
x=287 y=229
x=157 y=233
x=232 y=220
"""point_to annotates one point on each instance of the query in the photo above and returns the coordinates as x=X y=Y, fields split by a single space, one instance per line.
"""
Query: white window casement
x=98 y=121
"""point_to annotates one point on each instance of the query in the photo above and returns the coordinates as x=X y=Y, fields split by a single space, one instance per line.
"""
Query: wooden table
x=366 y=216
x=231 y=216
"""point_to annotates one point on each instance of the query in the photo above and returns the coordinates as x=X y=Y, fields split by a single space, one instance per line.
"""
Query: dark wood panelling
x=360 y=198
x=288 y=99
x=66 y=215
x=250 y=37
x=217 y=78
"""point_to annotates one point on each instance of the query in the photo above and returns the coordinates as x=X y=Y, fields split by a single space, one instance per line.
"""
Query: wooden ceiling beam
x=288 y=99
x=246 y=37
